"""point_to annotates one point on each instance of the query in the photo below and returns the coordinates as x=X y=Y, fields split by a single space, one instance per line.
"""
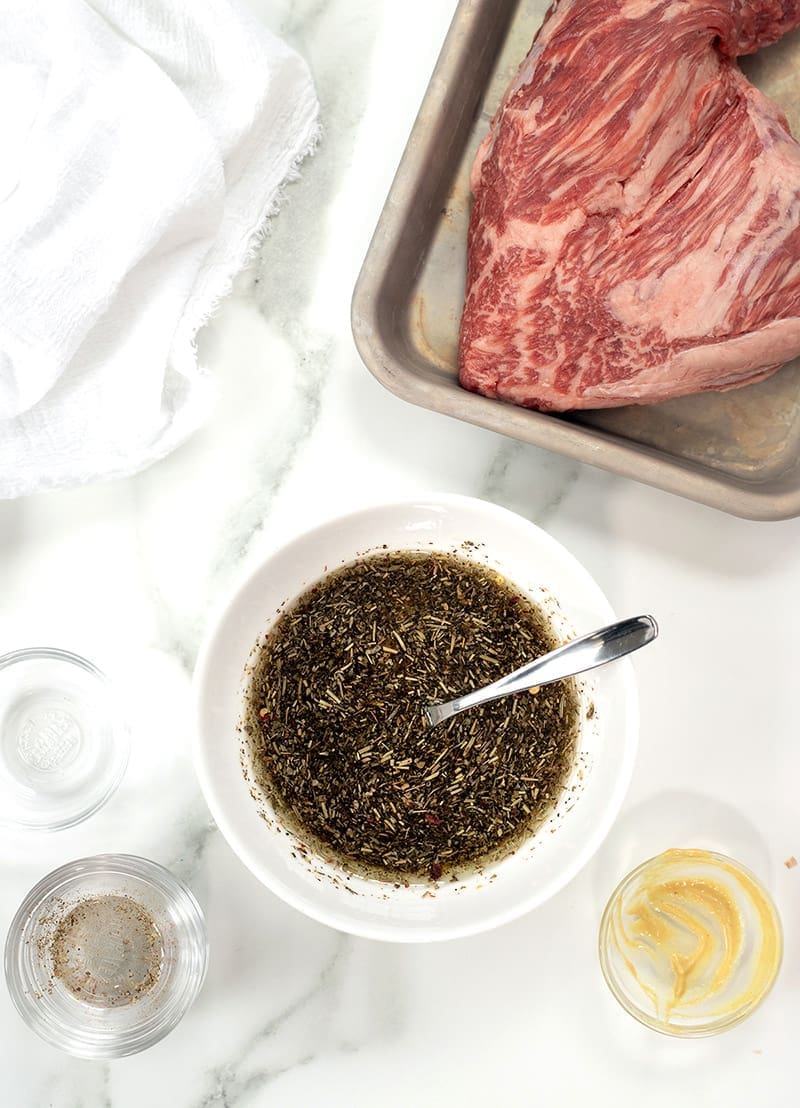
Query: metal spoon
x=578 y=656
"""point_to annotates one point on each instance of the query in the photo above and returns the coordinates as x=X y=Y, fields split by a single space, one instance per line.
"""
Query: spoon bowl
x=588 y=652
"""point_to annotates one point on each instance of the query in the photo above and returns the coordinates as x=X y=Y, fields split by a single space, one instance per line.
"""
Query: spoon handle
x=578 y=656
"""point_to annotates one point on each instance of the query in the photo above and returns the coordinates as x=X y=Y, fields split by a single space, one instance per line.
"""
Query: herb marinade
x=337 y=734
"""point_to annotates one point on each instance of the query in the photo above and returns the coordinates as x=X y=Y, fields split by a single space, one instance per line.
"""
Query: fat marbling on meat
x=635 y=231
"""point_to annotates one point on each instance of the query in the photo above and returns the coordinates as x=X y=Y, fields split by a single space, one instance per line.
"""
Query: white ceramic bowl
x=537 y=564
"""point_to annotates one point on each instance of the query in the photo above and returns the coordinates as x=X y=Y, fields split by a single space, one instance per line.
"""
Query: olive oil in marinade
x=335 y=722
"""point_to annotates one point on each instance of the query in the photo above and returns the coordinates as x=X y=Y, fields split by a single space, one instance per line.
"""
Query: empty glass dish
x=63 y=740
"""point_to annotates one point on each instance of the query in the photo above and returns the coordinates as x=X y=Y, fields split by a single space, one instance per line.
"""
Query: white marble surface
x=128 y=573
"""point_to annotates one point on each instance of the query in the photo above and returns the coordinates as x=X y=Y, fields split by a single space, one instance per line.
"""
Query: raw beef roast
x=635 y=233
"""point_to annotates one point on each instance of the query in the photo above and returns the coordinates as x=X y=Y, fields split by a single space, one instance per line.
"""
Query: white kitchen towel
x=143 y=146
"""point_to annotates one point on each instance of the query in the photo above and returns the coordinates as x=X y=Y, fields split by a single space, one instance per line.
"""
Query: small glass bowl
x=637 y=957
x=63 y=741
x=119 y=986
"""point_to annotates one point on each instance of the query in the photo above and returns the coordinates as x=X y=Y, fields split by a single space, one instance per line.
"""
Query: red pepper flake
x=436 y=871
x=433 y=820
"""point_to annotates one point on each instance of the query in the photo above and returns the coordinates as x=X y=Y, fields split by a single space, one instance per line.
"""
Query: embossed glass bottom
x=63 y=742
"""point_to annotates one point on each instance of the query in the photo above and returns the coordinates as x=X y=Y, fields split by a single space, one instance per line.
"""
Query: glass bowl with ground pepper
x=690 y=943
x=105 y=955
x=313 y=752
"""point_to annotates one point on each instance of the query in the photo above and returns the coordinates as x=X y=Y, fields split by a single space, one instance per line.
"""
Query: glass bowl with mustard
x=690 y=943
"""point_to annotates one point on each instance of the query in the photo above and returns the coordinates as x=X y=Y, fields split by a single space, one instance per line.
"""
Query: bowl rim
x=333 y=915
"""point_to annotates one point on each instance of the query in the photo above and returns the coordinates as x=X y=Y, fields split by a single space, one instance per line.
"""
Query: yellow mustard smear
x=698 y=934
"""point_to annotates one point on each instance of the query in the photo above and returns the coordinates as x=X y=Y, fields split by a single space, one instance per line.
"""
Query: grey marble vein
x=246 y=521
x=228 y=1085
x=188 y=861
x=529 y=481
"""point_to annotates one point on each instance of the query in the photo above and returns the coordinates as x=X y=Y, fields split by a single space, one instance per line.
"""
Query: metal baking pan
x=737 y=451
